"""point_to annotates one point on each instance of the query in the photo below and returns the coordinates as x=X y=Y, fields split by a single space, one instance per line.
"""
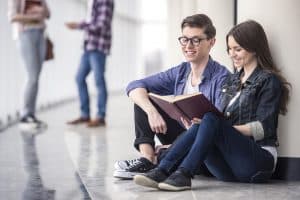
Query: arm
x=28 y=18
x=101 y=20
x=244 y=129
x=162 y=83
x=267 y=111
x=156 y=122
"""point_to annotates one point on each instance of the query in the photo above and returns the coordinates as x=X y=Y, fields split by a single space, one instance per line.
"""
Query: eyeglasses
x=195 y=41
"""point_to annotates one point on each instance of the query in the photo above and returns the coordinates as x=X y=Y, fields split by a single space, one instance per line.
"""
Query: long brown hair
x=251 y=36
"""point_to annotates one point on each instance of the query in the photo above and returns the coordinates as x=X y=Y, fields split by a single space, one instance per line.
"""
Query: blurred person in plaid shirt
x=97 y=43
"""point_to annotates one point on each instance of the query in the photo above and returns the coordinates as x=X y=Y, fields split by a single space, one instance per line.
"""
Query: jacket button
x=227 y=114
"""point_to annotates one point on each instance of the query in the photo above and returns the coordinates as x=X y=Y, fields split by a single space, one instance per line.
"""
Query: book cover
x=187 y=106
x=31 y=3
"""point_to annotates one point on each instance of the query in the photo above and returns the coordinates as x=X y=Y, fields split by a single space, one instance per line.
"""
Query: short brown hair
x=200 y=21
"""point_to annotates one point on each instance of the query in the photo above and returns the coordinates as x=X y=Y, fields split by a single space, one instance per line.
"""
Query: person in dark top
x=242 y=145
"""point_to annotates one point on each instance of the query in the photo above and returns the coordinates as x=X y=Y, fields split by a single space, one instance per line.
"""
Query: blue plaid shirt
x=98 y=32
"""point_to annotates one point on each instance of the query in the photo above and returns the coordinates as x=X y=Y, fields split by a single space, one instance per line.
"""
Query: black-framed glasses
x=195 y=41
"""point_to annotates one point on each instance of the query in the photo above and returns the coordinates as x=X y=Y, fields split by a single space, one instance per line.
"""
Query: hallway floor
x=74 y=162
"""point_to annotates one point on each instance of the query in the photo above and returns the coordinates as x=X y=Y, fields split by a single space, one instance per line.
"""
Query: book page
x=173 y=98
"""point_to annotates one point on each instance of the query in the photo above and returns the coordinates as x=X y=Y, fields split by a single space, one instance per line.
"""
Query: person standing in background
x=97 y=43
x=28 y=19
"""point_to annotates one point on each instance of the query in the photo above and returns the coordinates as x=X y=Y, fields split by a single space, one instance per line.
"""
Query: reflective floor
x=73 y=162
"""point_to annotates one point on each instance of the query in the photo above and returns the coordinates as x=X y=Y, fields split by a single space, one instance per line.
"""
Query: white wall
x=177 y=11
x=220 y=12
x=280 y=20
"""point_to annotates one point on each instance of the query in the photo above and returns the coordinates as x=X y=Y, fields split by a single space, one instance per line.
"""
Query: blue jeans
x=92 y=60
x=33 y=49
x=229 y=155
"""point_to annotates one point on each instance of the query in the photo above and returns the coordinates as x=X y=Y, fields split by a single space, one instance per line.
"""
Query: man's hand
x=72 y=25
x=156 y=122
x=159 y=147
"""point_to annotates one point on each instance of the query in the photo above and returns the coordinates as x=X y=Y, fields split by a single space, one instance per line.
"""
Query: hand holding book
x=188 y=124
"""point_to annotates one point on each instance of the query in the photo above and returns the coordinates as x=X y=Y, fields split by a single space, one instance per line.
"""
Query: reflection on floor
x=74 y=162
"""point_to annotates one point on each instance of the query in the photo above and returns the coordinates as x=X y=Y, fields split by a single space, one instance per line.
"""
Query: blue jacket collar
x=208 y=71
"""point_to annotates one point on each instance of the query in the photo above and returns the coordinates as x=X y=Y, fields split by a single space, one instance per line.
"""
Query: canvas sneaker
x=31 y=123
x=141 y=165
x=151 y=178
x=178 y=181
x=124 y=164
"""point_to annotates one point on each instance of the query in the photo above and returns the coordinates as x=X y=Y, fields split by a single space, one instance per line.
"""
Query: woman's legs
x=235 y=154
x=228 y=154
x=241 y=154
x=32 y=46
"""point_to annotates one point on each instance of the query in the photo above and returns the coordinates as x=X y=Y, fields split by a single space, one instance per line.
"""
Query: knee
x=33 y=81
x=211 y=117
x=79 y=79
x=100 y=81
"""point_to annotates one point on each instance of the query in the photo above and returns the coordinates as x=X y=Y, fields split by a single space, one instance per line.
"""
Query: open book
x=188 y=106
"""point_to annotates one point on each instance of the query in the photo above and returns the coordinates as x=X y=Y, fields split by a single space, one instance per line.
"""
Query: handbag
x=49 y=49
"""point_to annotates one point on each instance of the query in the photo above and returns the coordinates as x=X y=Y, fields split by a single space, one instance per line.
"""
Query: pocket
x=261 y=177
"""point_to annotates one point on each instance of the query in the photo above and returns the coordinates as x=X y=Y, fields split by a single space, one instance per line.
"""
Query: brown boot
x=96 y=122
x=79 y=120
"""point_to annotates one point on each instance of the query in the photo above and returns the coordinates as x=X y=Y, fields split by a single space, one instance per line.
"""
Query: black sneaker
x=124 y=164
x=178 y=181
x=151 y=178
x=142 y=165
x=30 y=122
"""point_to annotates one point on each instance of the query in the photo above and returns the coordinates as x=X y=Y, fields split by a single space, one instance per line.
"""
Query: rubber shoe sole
x=168 y=187
x=145 y=181
x=32 y=126
x=123 y=174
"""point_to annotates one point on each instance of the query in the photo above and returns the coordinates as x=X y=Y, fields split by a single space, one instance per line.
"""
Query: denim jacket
x=173 y=81
x=258 y=102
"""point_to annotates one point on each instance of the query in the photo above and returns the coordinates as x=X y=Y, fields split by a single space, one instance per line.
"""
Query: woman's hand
x=188 y=124
x=243 y=129
x=32 y=18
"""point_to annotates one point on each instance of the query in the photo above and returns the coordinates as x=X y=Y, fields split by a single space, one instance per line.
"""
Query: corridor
x=72 y=162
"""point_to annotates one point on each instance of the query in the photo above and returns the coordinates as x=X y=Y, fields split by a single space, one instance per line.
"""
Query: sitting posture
x=241 y=146
x=199 y=73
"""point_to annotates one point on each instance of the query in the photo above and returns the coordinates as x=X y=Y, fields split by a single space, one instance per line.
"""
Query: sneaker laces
x=132 y=162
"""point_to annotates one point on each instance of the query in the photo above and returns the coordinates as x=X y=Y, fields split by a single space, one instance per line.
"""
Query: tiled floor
x=65 y=162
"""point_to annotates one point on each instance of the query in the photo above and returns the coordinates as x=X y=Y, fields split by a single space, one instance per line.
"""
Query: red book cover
x=187 y=106
x=30 y=3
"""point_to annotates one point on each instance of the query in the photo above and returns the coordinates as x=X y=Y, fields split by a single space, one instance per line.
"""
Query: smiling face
x=196 y=52
x=240 y=56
